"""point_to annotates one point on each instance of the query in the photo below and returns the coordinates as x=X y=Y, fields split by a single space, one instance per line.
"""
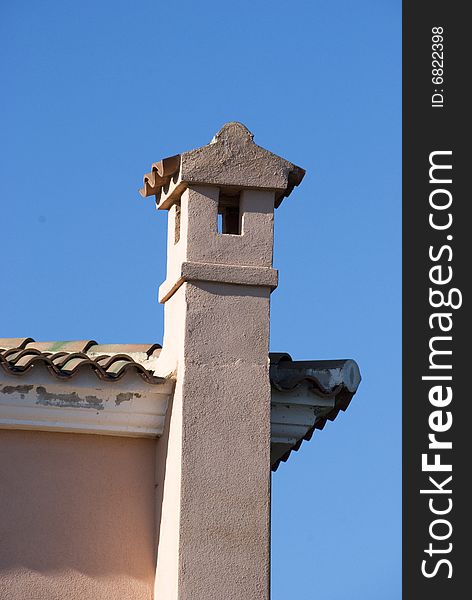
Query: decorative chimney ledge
x=239 y=275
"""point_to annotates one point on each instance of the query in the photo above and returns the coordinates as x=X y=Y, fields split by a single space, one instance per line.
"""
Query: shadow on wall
x=162 y=447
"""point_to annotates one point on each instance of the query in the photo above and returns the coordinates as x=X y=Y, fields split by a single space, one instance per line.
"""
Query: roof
x=64 y=359
x=231 y=159
x=305 y=395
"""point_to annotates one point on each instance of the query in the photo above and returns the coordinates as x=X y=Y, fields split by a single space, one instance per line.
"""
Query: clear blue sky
x=93 y=92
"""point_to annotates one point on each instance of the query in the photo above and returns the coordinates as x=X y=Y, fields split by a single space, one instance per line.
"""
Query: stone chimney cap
x=231 y=160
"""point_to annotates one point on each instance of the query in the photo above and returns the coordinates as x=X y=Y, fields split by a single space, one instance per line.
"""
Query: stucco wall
x=77 y=517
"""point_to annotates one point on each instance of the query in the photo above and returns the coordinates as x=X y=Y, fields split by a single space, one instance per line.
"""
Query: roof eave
x=305 y=395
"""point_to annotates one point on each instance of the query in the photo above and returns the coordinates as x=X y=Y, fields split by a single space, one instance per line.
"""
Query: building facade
x=141 y=471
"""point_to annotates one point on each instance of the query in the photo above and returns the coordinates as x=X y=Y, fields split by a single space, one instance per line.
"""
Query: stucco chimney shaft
x=214 y=519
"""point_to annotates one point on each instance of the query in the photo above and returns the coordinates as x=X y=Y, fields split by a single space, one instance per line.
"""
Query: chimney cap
x=231 y=160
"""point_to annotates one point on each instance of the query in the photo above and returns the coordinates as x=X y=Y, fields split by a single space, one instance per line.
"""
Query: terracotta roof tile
x=334 y=379
x=124 y=348
x=65 y=359
x=14 y=342
x=75 y=346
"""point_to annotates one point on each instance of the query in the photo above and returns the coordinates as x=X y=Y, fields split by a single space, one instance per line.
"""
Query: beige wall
x=77 y=517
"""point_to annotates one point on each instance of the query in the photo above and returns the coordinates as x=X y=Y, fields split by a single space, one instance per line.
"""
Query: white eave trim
x=84 y=405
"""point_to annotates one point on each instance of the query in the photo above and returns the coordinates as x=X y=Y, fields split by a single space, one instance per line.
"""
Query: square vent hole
x=229 y=217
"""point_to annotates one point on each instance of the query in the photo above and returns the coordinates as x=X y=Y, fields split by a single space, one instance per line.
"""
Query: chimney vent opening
x=177 y=223
x=229 y=217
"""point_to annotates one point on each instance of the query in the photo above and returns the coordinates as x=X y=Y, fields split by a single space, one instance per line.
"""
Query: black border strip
x=436 y=126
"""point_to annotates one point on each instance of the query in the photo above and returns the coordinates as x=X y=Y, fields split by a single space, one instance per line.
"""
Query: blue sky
x=93 y=92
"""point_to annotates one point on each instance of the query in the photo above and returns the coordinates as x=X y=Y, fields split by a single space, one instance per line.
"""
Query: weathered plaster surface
x=128 y=407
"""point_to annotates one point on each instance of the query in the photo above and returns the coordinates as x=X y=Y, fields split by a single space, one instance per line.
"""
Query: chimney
x=214 y=526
